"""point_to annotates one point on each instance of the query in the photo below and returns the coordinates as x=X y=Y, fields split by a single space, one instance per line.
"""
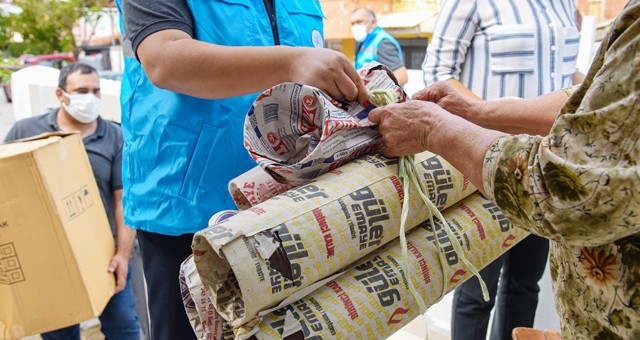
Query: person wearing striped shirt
x=489 y=49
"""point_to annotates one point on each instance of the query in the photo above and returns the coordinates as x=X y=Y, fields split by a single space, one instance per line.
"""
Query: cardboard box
x=55 y=240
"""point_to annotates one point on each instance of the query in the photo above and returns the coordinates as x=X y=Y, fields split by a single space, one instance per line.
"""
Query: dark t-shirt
x=104 y=149
x=144 y=17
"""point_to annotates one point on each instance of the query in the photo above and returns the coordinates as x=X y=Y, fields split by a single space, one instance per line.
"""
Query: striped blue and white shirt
x=498 y=48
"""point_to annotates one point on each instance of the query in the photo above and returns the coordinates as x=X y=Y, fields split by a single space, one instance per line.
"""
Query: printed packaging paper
x=297 y=133
x=371 y=299
x=262 y=255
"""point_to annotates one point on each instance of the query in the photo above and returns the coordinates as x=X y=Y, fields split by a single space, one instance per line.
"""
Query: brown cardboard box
x=55 y=240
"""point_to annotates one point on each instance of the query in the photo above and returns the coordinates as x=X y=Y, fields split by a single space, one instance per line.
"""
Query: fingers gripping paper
x=291 y=241
x=296 y=132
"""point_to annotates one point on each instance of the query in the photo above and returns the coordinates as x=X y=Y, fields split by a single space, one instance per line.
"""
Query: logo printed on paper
x=443 y=239
x=379 y=161
x=498 y=216
x=304 y=193
x=278 y=144
x=457 y=276
x=309 y=112
x=379 y=278
x=508 y=241
x=368 y=212
x=395 y=317
x=439 y=181
x=303 y=313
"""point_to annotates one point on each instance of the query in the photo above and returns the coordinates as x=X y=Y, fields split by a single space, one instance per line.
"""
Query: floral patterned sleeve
x=580 y=185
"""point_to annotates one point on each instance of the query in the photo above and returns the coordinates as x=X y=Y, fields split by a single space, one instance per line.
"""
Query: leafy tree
x=46 y=25
x=5 y=32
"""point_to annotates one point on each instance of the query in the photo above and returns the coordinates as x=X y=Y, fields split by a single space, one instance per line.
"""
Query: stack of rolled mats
x=314 y=251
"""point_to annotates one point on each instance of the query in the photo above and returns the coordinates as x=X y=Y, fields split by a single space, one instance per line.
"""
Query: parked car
x=58 y=61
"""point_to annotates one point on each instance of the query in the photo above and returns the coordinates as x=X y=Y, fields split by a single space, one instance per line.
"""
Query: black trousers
x=161 y=259
x=518 y=272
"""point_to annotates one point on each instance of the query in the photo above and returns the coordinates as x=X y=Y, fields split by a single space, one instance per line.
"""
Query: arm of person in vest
x=455 y=28
x=175 y=60
x=389 y=55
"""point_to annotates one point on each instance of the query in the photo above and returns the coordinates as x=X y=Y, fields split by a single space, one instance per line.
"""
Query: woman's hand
x=407 y=128
x=447 y=97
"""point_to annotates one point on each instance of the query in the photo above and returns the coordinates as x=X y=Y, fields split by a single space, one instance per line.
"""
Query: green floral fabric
x=580 y=187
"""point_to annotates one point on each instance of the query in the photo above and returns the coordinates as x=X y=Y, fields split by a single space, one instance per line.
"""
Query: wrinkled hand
x=406 y=127
x=447 y=97
x=329 y=71
x=120 y=266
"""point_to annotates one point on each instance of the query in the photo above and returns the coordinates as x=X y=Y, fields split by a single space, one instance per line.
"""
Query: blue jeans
x=119 y=320
x=522 y=267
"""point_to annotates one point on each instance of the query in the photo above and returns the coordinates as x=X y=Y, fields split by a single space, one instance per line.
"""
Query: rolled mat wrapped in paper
x=253 y=187
x=372 y=301
x=268 y=252
x=296 y=132
x=205 y=321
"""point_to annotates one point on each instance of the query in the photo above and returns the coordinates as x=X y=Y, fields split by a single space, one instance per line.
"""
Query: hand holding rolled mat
x=296 y=132
x=310 y=232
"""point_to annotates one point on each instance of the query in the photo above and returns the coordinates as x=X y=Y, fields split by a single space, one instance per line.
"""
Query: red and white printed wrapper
x=257 y=258
x=297 y=133
x=253 y=187
x=372 y=300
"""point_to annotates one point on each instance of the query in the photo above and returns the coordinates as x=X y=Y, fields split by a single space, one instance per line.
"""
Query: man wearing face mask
x=79 y=95
x=375 y=44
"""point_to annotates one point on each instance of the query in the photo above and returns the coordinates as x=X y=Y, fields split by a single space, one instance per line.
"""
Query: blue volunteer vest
x=369 y=48
x=181 y=152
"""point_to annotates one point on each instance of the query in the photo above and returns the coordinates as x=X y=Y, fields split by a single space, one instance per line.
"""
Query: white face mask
x=359 y=32
x=83 y=107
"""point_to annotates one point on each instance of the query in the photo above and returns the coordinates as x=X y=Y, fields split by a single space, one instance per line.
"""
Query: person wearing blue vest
x=192 y=70
x=375 y=44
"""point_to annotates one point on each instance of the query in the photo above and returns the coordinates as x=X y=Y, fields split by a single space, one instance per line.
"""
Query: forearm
x=401 y=75
x=471 y=145
x=124 y=239
x=462 y=89
x=516 y=116
x=212 y=71
x=125 y=235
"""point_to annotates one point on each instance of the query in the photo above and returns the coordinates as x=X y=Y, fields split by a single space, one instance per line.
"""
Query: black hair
x=71 y=68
